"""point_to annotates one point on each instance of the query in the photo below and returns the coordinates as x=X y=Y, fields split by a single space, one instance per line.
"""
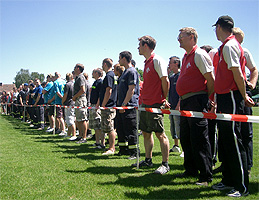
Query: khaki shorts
x=107 y=120
x=150 y=122
x=95 y=119
x=81 y=113
x=69 y=116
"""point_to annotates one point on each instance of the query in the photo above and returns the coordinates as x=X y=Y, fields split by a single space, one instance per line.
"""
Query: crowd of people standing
x=206 y=80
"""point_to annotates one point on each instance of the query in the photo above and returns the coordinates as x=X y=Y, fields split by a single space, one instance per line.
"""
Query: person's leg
x=164 y=145
x=148 y=143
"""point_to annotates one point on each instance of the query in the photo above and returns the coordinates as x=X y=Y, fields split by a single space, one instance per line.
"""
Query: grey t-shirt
x=80 y=81
x=69 y=89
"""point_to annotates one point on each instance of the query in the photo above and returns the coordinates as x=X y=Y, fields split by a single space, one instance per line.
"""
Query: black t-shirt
x=96 y=87
x=69 y=89
x=109 y=82
x=23 y=93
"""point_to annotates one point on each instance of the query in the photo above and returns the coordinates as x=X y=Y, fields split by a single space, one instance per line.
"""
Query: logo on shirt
x=147 y=70
x=188 y=65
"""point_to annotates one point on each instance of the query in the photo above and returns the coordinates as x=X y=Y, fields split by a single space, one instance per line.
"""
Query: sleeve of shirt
x=48 y=86
x=250 y=63
x=132 y=78
x=40 y=90
x=231 y=54
x=160 y=66
x=66 y=89
x=110 y=81
x=203 y=61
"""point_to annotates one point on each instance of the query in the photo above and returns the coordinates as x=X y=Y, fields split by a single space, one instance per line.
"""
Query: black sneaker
x=143 y=163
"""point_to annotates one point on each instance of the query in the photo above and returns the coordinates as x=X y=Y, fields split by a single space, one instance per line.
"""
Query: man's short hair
x=127 y=55
x=151 y=42
x=117 y=67
x=238 y=31
x=99 y=71
x=133 y=62
x=108 y=62
x=207 y=48
x=69 y=76
x=80 y=66
x=190 y=31
x=86 y=76
x=49 y=76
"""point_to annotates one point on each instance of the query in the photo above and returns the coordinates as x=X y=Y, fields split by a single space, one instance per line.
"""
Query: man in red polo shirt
x=154 y=92
x=231 y=96
x=194 y=86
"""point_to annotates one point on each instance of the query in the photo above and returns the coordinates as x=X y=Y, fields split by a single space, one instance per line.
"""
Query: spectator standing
x=47 y=94
x=108 y=96
x=154 y=93
x=128 y=93
x=81 y=101
x=231 y=96
x=69 y=110
x=38 y=102
x=194 y=86
x=95 y=114
x=247 y=127
x=173 y=99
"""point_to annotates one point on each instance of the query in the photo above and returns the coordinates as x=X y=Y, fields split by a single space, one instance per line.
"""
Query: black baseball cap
x=225 y=21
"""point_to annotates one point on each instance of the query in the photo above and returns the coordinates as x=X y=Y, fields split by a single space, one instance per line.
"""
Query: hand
x=121 y=111
x=167 y=105
x=34 y=105
x=74 y=98
x=249 y=101
x=250 y=85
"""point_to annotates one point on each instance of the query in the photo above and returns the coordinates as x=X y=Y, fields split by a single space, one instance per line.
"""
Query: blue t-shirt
x=52 y=94
x=96 y=87
x=173 y=97
x=59 y=86
x=109 y=81
x=38 y=91
x=47 y=94
x=129 y=77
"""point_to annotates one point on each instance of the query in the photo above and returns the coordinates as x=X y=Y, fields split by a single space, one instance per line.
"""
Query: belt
x=190 y=94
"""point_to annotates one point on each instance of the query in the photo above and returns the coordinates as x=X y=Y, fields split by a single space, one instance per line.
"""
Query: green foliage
x=23 y=76
x=140 y=71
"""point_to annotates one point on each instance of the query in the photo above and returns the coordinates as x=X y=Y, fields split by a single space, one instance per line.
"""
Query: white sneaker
x=72 y=138
x=50 y=130
x=182 y=155
x=63 y=133
x=32 y=125
x=175 y=149
x=162 y=170
x=109 y=152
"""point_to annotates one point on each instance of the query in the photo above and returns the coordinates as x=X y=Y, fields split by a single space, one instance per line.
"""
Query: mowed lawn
x=37 y=165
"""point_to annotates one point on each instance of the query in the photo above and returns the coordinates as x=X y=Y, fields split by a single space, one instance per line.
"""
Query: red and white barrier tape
x=217 y=116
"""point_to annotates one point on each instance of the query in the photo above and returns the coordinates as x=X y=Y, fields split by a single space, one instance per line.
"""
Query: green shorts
x=150 y=122
x=81 y=113
x=95 y=119
x=107 y=121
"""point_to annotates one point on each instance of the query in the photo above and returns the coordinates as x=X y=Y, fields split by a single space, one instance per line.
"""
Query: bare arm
x=253 y=78
x=64 y=98
x=210 y=82
x=80 y=92
x=240 y=82
x=165 y=85
x=107 y=95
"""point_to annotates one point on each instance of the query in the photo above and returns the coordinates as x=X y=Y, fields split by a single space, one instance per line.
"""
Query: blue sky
x=48 y=36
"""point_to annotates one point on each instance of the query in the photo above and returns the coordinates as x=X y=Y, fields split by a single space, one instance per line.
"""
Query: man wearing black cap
x=230 y=89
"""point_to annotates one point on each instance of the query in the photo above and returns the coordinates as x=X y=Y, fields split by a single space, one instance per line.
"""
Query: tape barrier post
x=138 y=150
x=24 y=113
x=54 y=123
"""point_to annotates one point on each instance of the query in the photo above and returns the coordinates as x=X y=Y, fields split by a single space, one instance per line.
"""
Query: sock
x=149 y=160
x=165 y=164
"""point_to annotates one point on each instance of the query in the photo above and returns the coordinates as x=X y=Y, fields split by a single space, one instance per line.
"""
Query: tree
x=140 y=73
x=23 y=76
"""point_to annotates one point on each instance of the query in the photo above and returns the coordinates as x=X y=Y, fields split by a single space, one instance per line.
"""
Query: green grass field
x=37 y=165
